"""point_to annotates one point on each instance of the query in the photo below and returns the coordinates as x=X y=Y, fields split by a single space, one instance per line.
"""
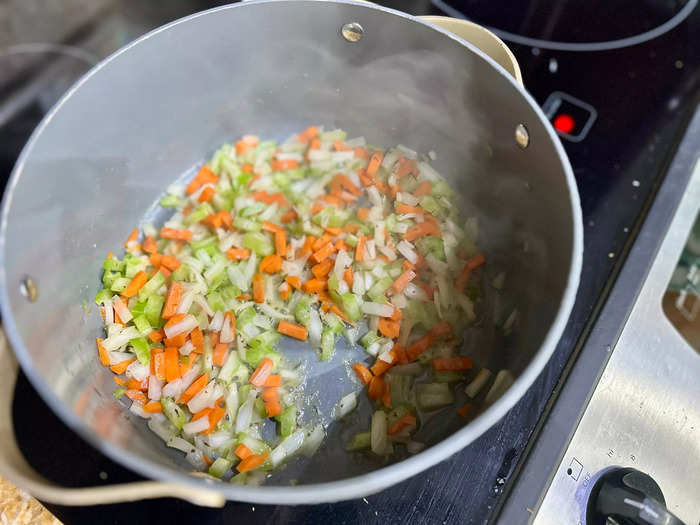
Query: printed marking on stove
x=574 y=470
x=571 y=117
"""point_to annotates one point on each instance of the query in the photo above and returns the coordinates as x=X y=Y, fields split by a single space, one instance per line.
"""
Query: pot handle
x=482 y=38
x=15 y=468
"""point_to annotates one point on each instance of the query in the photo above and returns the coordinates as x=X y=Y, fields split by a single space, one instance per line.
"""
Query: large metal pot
x=153 y=110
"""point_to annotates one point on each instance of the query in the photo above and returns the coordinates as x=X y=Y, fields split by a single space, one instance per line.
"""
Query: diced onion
x=226 y=331
x=217 y=321
x=121 y=309
x=382 y=310
x=473 y=388
x=378 y=432
x=188 y=324
x=196 y=426
x=406 y=249
x=346 y=405
x=155 y=386
x=502 y=382
x=287 y=447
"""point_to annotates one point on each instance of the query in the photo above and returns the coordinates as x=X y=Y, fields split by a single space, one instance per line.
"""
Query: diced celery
x=430 y=204
x=259 y=243
x=259 y=407
x=113 y=265
x=241 y=477
x=230 y=292
x=390 y=222
x=447 y=376
x=337 y=134
x=203 y=244
x=253 y=209
x=215 y=301
x=134 y=265
x=138 y=308
x=182 y=273
x=170 y=201
x=151 y=287
x=334 y=323
x=142 y=325
x=369 y=338
x=219 y=467
x=119 y=392
x=301 y=312
x=253 y=356
x=287 y=420
x=141 y=349
x=200 y=212
x=378 y=288
x=267 y=339
x=154 y=305
x=247 y=225
x=103 y=295
x=327 y=344
x=351 y=240
x=245 y=317
x=175 y=413
x=230 y=367
x=109 y=277
x=359 y=441
x=351 y=306
x=119 y=284
x=243 y=394
x=441 y=189
x=333 y=282
x=430 y=245
x=432 y=396
x=400 y=389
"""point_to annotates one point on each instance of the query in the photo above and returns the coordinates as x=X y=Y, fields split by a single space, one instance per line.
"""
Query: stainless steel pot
x=150 y=112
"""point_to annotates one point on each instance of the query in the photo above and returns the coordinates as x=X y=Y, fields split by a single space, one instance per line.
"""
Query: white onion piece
x=112 y=343
x=373 y=349
x=187 y=348
x=163 y=429
x=342 y=260
x=205 y=397
x=407 y=152
x=374 y=197
x=204 y=305
x=137 y=409
x=155 y=388
x=382 y=310
x=315 y=328
x=180 y=444
x=413 y=291
x=217 y=321
x=186 y=302
x=502 y=382
x=121 y=309
x=271 y=312
x=373 y=325
x=194 y=427
x=407 y=198
x=399 y=301
x=138 y=371
x=414 y=447
x=119 y=357
x=287 y=447
x=473 y=388
x=378 y=432
x=185 y=326
x=387 y=252
x=370 y=249
x=346 y=405
x=196 y=459
x=343 y=287
x=108 y=311
x=289 y=156
x=313 y=441
x=245 y=413
x=226 y=331
x=407 y=250
x=409 y=369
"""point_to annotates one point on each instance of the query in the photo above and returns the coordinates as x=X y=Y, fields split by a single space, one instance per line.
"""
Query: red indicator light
x=564 y=123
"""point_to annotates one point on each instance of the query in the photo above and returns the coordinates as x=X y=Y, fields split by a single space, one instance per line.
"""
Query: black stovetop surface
x=642 y=94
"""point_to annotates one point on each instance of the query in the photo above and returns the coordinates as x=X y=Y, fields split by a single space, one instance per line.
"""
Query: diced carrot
x=293 y=281
x=424 y=188
x=156 y=259
x=110 y=254
x=360 y=248
x=348 y=277
x=202 y=413
x=118 y=380
x=213 y=339
x=204 y=176
x=102 y=352
x=137 y=396
x=441 y=329
x=153 y=407
x=271 y=264
x=133 y=384
x=281 y=243
x=172 y=370
x=472 y=264
x=187 y=210
x=397 y=315
x=176 y=235
x=216 y=414
x=420 y=230
x=248 y=142
x=420 y=346
x=194 y=388
x=237 y=254
x=364 y=179
x=405 y=208
x=262 y=372
x=408 y=166
x=317 y=208
x=453 y=363
x=361 y=153
x=121 y=366
x=348 y=185
x=271 y=398
x=340 y=245
x=281 y=165
x=321 y=242
x=315 y=285
x=400 y=354
x=351 y=227
x=337 y=311
x=219 y=354
x=133 y=237
x=244 y=297
x=322 y=269
x=376 y=387
x=242 y=451
x=207 y=460
x=464 y=410
x=288 y=216
x=403 y=279
x=374 y=161
x=407 y=265
x=315 y=144
x=285 y=291
x=197 y=338
x=389 y=328
x=362 y=372
x=362 y=213
x=340 y=146
x=380 y=366
x=273 y=380
x=156 y=336
x=308 y=134
x=206 y=194
x=407 y=420
x=251 y=462
x=172 y=300
x=170 y=262
x=334 y=232
x=174 y=319
x=186 y=362
x=158 y=361
x=271 y=227
x=269 y=198
x=149 y=245
x=292 y=330
x=258 y=288
x=386 y=395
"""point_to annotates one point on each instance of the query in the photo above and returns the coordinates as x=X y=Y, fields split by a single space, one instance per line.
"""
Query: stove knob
x=629 y=497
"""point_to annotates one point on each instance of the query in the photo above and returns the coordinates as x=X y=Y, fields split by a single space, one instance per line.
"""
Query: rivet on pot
x=28 y=289
x=352 y=32
x=522 y=136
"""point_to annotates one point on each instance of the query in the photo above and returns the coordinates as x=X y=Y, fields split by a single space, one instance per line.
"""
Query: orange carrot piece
x=133 y=384
x=464 y=410
x=281 y=165
x=102 y=352
x=360 y=248
x=315 y=285
x=175 y=235
x=340 y=245
x=361 y=153
x=172 y=370
x=316 y=208
x=405 y=208
x=308 y=245
x=293 y=281
x=348 y=277
x=271 y=264
x=219 y=354
x=406 y=167
x=133 y=237
x=149 y=245
x=216 y=414
x=197 y=338
x=362 y=213
x=420 y=346
x=285 y=291
x=186 y=363
x=137 y=396
x=202 y=413
x=170 y=262
x=333 y=231
x=397 y=315
x=292 y=330
x=374 y=161
x=137 y=281
x=156 y=259
x=174 y=319
x=251 y=462
x=424 y=188
x=403 y=279
x=204 y=176
x=121 y=366
x=247 y=168
x=348 y=185
x=118 y=380
x=376 y=387
x=258 y=288
x=288 y=217
x=271 y=398
x=420 y=230
x=110 y=254
x=308 y=134
x=472 y=264
x=273 y=380
x=242 y=451
x=194 y=388
x=441 y=329
x=281 y=243
x=386 y=395
x=404 y=421
x=262 y=372
x=271 y=227
x=153 y=407
x=206 y=194
x=321 y=242
x=400 y=354
x=322 y=269
x=172 y=300
x=389 y=328
x=362 y=372
x=453 y=363
x=237 y=254
x=176 y=341
x=380 y=366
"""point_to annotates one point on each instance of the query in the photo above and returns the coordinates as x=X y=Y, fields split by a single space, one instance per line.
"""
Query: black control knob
x=629 y=497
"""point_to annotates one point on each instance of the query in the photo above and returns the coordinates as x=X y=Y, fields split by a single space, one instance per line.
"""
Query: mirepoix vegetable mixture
x=314 y=239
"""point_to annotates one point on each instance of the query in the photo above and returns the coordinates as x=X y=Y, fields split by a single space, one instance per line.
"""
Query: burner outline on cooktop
x=662 y=29
x=552 y=104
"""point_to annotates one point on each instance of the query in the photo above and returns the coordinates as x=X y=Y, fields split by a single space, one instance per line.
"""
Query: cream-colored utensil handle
x=16 y=470
x=482 y=38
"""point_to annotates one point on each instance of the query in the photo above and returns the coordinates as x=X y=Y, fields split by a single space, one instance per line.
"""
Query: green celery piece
x=108 y=278
x=103 y=295
x=241 y=477
x=259 y=243
x=133 y=266
x=219 y=467
x=390 y=222
x=113 y=265
x=334 y=323
x=430 y=204
x=247 y=225
x=259 y=407
x=229 y=292
x=380 y=286
x=119 y=392
x=253 y=356
x=138 y=309
x=204 y=243
x=253 y=209
x=170 y=201
x=351 y=306
x=216 y=302
x=120 y=284
x=265 y=339
x=351 y=240
x=154 y=305
x=327 y=344
x=141 y=349
x=243 y=393
x=287 y=421
x=430 y=245
x=369 y=338
x=182 y=273
x=200 y=212
x=151 y=286
x=142 y=325
x=359 y=441
x=336 y=134
x=175 y=413
x=245 y=317
x=333 y=282
x=301 y=312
